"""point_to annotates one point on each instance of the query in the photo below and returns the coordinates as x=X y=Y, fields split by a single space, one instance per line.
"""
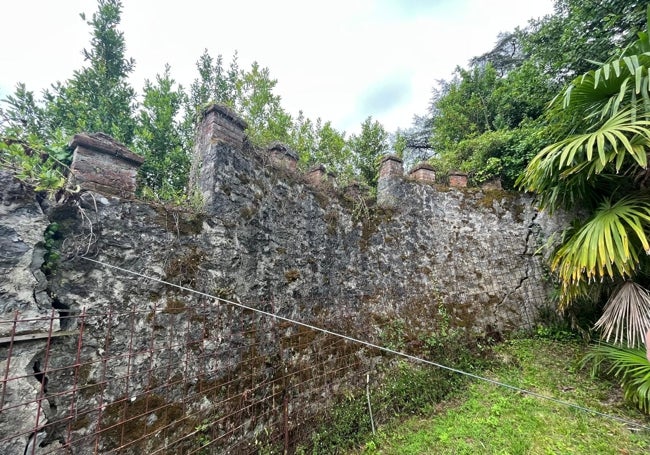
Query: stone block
x=391 y=166
x=222 y=124
x=493 y=184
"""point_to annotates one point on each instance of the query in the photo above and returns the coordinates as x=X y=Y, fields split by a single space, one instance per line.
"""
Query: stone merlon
x=391 y=166
x=102 y=164
x=226 y=113
x=220 y=124
x=281 y=155
x=423 y=172
x=103 y=143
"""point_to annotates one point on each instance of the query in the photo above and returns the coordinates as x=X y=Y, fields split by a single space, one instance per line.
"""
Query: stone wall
x=270 y=238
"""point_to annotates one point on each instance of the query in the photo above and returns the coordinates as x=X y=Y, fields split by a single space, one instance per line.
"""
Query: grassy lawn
x=487 y=419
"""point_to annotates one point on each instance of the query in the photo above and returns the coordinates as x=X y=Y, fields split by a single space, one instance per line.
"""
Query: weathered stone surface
x=23 y=308
x=391 y=171
x=317 y=175
x=282 y=156
x=22 y=225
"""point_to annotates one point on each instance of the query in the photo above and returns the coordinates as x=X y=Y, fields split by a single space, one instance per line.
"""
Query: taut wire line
x=375 y=346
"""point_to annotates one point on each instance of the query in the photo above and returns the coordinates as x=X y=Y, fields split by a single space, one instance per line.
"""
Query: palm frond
x=601 y=92
x=606 y=245
x=565 y=168
x=629 y=365
x=619 y=135
x=626 y=315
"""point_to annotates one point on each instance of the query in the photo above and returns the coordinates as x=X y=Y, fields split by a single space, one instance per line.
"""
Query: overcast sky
x=341 y=60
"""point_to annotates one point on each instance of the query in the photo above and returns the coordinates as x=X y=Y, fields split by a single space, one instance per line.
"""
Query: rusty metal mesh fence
x=208 y=379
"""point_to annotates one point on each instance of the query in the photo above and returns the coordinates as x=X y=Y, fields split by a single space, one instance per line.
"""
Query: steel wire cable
x=376 y=346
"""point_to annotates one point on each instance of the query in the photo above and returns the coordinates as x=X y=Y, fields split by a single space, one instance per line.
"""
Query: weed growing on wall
x=52 y=240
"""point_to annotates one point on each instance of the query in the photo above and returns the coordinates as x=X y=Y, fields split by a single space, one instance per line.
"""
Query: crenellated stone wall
x=269 y=237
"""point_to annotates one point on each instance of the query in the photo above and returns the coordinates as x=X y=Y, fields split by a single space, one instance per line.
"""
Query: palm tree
x=599 y=167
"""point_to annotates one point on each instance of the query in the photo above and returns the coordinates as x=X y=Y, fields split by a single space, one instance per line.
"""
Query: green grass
x=487 y=419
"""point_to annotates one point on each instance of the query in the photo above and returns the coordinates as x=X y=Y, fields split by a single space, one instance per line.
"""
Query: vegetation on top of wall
x=161 y=128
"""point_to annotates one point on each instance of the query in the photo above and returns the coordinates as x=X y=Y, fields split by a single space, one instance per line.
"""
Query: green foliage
x=303 y=138
x=554 y=332
x=98 y=98
x=52 y=238
x=159 y=139
x=24 y=116
x=34 y=133
x=607 y=244
x=40 y=165
x=368 y=147
x=404 y=390
x=203 y=437
x=464 y=107
x=249 y=93
x=215 y=84
x=401 y=389
x=629 y=365
x=484 y=124
x=581 y=31
x=489 y=119
x=400 y=144
x=598 y=165
x=332 y=150
x=260 y=107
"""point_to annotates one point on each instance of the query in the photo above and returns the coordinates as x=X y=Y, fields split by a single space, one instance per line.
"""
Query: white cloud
x=328 y=57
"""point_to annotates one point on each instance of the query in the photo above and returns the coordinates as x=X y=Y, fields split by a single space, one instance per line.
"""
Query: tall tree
x=506 y=55
x=303 y=138
x=159 y=137
x=463 y=107
x=333 y=151
x=25 y=115
x=368 y=147
x=249 y=93
x=98 y=98
x=261 y=107
x=581 y=31
x=215 y=84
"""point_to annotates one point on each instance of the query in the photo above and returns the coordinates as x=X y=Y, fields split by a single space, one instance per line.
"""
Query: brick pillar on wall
x=423 y=172
x=458 y=179
x=220 y=128
x=391 y=166
x=391 y=173
x=221 y=124
x=316 y=175
x=282 y=156
x=102 y=164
